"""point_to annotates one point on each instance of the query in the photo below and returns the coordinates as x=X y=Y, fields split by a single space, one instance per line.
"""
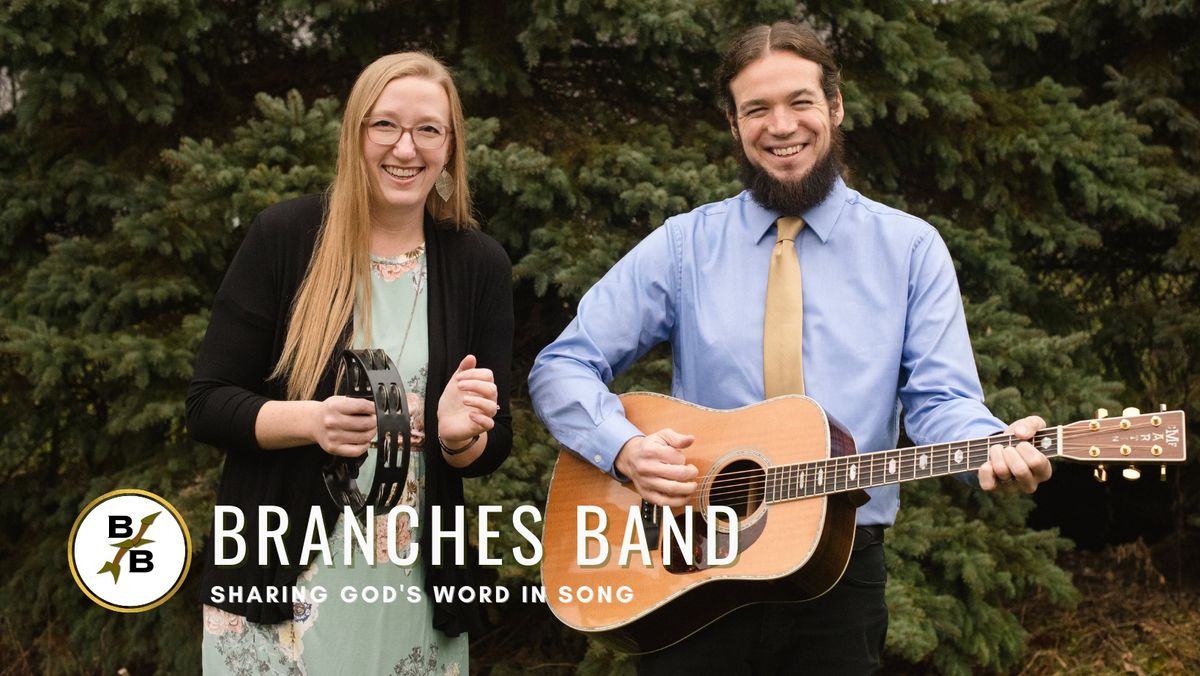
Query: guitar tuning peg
x=1131 y=473
x=1162 y=408
x=1100 y=473
x=1101 y=413
x=1131 y=411
x=1162 y=472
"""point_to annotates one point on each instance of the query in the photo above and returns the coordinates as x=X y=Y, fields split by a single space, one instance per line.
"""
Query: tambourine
x=370 y=374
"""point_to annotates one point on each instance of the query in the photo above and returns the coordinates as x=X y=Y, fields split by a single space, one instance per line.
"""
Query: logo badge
x=129 y=550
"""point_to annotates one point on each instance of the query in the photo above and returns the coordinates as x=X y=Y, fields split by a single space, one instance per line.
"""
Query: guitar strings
x=970 y=445
x=814 y=483
x=730 y=484
x=838 y=469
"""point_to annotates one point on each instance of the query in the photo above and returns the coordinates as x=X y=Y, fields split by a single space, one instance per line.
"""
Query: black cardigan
x=470 y=312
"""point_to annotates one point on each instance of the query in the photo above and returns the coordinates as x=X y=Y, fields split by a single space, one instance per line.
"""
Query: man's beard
x=792 y=198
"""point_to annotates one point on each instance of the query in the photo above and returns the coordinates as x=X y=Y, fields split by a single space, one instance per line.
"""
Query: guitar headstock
x=1129 y=438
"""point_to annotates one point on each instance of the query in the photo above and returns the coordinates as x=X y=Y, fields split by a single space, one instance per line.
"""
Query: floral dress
x=373 y=619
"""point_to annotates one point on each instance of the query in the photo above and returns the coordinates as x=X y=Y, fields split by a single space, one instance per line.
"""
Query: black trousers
x=839 y=633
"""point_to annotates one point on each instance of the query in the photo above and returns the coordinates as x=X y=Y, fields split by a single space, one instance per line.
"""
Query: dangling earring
x=444 y=185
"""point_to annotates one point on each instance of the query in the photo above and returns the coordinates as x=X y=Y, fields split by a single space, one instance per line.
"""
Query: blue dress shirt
x=883 y=329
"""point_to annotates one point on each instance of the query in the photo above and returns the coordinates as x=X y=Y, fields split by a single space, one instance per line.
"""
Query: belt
x=865 y=536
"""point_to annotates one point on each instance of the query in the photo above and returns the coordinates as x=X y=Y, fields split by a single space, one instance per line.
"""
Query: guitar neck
x=867 y=470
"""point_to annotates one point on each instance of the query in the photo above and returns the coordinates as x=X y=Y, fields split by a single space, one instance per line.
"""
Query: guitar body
x=787 y=551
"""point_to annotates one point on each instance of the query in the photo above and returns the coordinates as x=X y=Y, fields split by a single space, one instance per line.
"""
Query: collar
x=821 y=219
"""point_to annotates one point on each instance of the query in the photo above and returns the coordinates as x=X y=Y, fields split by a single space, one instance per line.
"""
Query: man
x=882 y=328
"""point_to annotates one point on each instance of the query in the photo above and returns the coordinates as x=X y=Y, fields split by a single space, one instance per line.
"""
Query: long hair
x=339 y=272
x=756 y=42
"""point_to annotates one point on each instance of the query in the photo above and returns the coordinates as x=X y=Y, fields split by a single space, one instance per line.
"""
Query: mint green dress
x=394 y=634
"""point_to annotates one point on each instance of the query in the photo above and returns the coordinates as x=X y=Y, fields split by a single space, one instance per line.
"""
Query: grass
x=1131 y=619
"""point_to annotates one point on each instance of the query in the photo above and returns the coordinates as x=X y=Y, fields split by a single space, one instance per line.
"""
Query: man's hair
x=755 y=43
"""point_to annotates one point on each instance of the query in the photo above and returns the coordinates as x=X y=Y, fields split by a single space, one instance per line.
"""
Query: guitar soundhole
x=738 y=486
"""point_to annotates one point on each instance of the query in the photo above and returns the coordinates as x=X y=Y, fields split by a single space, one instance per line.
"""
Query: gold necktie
x=783 y=328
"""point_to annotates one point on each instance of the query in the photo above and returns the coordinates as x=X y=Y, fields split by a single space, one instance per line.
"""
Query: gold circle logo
x=129 y=550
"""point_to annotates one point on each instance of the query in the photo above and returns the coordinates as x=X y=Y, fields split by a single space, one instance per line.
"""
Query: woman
x=391 y=258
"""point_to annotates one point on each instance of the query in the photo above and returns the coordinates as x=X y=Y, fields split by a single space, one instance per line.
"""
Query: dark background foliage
x=1054 y=143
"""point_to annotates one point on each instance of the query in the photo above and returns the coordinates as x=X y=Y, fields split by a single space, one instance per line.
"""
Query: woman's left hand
x=468 y=404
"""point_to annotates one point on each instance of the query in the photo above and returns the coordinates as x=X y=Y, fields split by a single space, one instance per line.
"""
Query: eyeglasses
x=426 y=136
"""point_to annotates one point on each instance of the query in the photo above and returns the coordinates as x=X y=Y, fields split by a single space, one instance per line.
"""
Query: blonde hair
x=339 y=272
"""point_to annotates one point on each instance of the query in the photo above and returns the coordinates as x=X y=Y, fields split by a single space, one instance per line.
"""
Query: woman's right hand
x=344 y=426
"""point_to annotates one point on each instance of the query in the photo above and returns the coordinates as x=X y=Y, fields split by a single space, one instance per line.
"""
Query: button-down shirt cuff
x=605 y=443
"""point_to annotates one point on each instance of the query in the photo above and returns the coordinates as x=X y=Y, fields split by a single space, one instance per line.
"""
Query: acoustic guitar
x=781 y=481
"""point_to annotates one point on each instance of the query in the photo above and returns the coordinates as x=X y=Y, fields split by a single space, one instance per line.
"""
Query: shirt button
x=597 y=459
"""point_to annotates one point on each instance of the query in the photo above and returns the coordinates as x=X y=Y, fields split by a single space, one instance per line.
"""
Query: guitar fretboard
x=853 y=472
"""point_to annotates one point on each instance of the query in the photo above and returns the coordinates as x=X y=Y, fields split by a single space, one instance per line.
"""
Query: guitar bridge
x=685 y=562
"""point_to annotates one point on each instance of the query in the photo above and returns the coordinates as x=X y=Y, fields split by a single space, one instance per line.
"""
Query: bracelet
x=455 y=451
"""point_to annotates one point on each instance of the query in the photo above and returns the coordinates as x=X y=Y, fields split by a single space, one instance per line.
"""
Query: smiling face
x=781 y=118
x=404 y=174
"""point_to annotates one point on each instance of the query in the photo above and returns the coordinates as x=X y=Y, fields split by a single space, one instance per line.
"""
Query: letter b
x=120 y=526
x=141 y=561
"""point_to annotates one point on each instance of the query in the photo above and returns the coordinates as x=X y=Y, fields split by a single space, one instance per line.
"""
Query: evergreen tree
x=1140 y=289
